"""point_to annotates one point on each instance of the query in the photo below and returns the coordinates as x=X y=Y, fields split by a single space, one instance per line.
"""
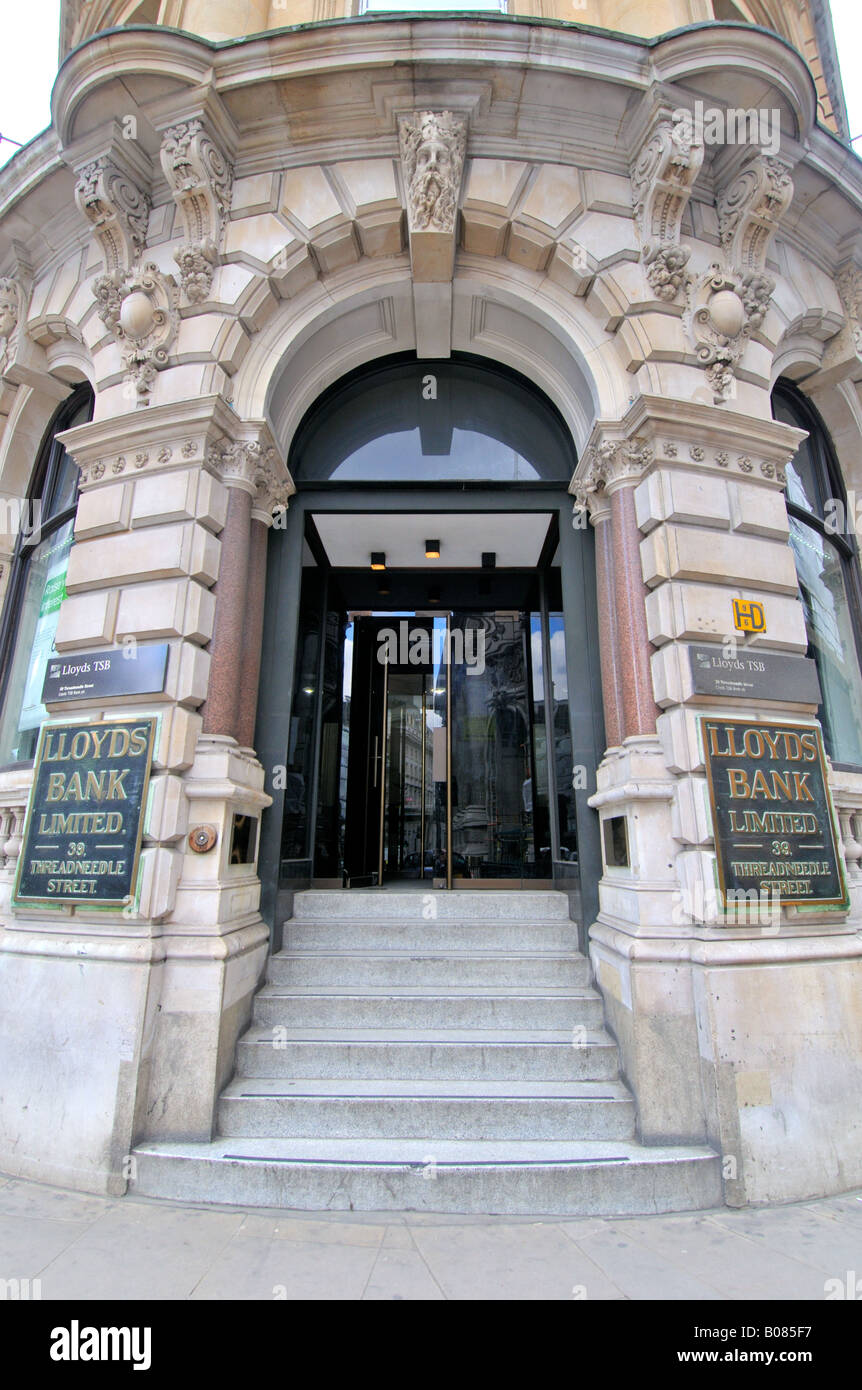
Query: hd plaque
x=771 y=813
x=82 y=836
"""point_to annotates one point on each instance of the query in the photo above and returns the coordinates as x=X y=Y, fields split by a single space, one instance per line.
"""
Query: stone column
x=633 y=647
x=221 y=711
x=253 y=627
x=600 y=519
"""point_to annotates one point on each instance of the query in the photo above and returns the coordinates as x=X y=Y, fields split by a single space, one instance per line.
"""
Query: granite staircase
x=455 y=1062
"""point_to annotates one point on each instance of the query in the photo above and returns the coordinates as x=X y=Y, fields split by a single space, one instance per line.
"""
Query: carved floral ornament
x=618 y=462
x=118 y=209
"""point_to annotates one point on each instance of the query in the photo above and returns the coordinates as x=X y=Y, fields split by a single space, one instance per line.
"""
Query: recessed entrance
x=431 y=744
x=430 y=700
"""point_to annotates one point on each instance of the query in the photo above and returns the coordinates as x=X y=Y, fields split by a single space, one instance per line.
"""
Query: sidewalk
x=83 y=1247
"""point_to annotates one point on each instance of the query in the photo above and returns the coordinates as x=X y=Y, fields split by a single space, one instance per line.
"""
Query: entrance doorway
x=430 y=710
x=448 y=780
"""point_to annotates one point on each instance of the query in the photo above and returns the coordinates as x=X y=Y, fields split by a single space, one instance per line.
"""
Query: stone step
x=430 y=1110
x=381 y=934
x=372 y=968
x=374 y=904
x=471 y=1007
x=446 y=1055
x=514 y=1178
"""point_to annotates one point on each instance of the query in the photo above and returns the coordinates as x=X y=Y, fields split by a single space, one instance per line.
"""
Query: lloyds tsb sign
x=85 y=819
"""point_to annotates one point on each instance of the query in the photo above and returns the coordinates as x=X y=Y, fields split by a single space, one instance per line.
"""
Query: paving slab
x=92 y=1247
x=402 y=1275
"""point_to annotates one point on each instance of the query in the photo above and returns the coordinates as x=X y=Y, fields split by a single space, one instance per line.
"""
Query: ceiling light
x=378 y=560
x=489 y=559
x=432 y=550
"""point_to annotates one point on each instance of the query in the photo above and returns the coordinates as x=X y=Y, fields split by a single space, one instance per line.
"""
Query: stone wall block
x=698 y=499
x=204 y=551
x=102 y=511
x=757 y=511
x=188 y=672
x=680 y=552
x=86 y=620
x=199 y=614
x=704 y=613
x=165 y=497
x=211 y=503
x=692 y=820
x=152 y=610
x=168 y=809
x=159 y=874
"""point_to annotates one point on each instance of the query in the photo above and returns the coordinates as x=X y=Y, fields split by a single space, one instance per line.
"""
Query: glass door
x=412 y=761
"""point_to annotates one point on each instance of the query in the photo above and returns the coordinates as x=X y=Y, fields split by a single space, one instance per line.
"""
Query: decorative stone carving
x=723 y=311
x=118 y=209
x=432 y=144
x=255 y=467
x=609 y=463
x=12 y=310
x=729 y=303
x=844 y=351
x=200 y=178
x=432 y=152
x=662 y=176
x=139 y=308
x=750 y=209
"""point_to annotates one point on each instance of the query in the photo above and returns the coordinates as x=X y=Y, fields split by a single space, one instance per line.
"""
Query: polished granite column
x=609 y=655
x=631 y=640
x=252 y=636
x=222 y=709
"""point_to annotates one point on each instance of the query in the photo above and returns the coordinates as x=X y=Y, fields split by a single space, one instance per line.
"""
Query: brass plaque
x=772 y=814
x=82 y=836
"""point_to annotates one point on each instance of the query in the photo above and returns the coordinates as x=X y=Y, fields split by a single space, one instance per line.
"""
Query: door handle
x=375 y=755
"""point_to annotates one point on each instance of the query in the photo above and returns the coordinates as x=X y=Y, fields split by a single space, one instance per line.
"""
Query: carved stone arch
x=547 y=334
x=26 y=424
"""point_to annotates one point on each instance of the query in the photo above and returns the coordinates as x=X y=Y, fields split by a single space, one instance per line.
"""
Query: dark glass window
x=822 y=539
x=407 y=421
x=37 y=584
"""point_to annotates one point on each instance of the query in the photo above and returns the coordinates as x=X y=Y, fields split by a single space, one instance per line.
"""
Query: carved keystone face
x=8 y=313
x=433 y=158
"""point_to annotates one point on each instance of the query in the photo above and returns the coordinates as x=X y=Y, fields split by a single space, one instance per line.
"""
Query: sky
x=31 y=35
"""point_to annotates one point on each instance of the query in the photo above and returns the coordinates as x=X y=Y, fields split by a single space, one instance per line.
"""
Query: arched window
x=487 y=425
x=821 y=537
x=37 y=584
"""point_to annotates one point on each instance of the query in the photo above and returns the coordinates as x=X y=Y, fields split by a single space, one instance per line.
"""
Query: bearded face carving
x=8 y=308
x=432 y=148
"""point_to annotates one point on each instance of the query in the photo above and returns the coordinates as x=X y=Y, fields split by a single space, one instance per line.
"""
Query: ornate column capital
x=200 y=178
x=252 y=464
x=609 y=462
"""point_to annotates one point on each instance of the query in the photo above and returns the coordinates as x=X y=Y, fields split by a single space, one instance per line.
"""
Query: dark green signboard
x=85 y=819
x=771 y=812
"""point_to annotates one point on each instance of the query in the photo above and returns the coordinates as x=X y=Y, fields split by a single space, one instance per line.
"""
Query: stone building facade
x=635 y=227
